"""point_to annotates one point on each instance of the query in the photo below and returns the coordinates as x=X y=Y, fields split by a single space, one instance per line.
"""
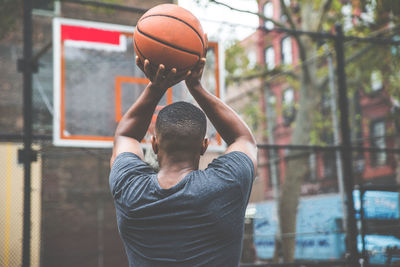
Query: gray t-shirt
x=197 y=222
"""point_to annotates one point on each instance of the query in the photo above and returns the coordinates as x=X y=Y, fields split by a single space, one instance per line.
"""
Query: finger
x=200 y=65
x=202 y=62
x=147 y=68
x=183 y=76
x=206 y=44
x=171 y=75
x=160 y=70
x=160 y=75
x=139 y=63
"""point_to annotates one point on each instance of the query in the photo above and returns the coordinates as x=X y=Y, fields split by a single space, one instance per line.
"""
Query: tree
x=316 y=16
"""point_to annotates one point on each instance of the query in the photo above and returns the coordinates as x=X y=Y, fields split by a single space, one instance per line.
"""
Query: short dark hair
x=181 y=126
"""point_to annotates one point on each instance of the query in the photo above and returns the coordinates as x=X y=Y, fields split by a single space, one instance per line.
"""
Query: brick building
x=371 y=110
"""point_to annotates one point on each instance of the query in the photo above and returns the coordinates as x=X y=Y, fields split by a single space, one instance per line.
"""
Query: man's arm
x=134 y=124
x=230 y=126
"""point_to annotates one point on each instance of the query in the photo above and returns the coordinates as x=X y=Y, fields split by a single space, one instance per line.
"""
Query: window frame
x=374 y=156
x=288 y=109
x=269 y=48
x=268 y=24
x=372 y=80
x=283 y=57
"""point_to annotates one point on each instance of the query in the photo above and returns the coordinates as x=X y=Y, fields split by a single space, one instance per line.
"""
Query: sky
x=222 y=24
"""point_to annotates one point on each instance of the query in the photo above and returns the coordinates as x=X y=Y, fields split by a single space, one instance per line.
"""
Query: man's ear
x=204 y=146
x=154 y=144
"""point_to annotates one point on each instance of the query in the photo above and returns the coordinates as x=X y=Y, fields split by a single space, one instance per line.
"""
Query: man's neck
x=173 y=169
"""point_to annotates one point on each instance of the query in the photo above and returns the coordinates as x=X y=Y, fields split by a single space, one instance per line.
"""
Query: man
x=181 y=216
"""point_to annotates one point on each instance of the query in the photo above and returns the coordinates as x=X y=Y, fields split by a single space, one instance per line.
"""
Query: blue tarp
x=376 y=246
x=318 y=235
x=378 y=204
x=316 y=228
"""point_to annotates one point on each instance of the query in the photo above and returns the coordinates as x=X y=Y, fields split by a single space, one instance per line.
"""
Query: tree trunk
x=296 y=169
x=297 y=164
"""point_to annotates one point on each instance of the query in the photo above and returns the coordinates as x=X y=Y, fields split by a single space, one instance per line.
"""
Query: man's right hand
x=194 y=79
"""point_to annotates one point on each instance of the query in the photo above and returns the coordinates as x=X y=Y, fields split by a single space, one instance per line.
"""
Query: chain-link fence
x=298 y=209
x=74 y=224
x=73 y=216
x=311 y=214
x=78 y=212
x=11 y=208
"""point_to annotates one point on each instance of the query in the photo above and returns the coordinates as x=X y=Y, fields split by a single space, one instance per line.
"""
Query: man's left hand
x=161 y=78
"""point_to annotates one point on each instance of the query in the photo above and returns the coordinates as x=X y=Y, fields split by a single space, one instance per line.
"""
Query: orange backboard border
x=60 y=135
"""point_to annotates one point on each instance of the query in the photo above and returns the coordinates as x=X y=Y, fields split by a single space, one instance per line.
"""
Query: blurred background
x=317 y=81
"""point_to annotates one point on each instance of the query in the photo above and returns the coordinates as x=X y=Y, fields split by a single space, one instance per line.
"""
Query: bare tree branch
x=302 y=50
x=262 y=74
x=277 y=23
x=353 y=57
x=325 y=9
x=380 y=33
x=288 y=14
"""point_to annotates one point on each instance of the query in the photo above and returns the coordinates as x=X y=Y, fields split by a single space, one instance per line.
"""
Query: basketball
x=170 y=35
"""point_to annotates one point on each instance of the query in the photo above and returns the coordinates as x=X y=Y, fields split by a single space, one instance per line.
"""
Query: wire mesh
x=11 y=210
x=319 y=228
x=78 y=211
x=298 y=192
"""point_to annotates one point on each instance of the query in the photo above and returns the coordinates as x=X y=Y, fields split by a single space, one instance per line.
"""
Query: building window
x=268 y=13
x=347 y=12
x=368 y=15
x=252 y=57
x=377 y=137
x=395 y=50
x=288 y=108
x=270 y=58
x=283 y=16
x=376 y=80
x=286 y=51
x=287 y=3
x=271 y=111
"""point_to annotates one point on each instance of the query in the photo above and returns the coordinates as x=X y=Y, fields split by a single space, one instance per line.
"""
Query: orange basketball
x=171 y=35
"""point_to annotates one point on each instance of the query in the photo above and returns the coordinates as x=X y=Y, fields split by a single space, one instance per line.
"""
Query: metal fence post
x=346 y=151
x=26 y=155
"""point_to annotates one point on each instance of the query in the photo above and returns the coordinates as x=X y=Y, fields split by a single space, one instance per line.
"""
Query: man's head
x=181 y=127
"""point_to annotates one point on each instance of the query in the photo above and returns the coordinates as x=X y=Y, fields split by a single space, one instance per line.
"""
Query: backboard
x=96 y=80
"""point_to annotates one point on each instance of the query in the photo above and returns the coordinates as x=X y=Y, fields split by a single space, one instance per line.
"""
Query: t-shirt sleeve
x=235 y=167
x=126 y=167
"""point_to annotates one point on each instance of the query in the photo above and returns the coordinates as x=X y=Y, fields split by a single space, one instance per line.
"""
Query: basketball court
x=88 y=69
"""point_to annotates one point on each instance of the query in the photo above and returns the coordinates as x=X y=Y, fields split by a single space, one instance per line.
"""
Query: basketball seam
x=168 y=44
x=141 y=53
x=169 y=16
